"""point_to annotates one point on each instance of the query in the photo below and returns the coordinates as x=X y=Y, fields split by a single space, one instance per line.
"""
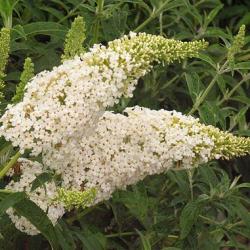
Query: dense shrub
x=196 y=208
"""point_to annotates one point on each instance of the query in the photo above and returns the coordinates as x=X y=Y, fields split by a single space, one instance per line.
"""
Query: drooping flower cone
x=124 y=149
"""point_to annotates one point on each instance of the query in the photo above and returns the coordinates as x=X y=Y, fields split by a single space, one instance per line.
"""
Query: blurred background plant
x=207 y=208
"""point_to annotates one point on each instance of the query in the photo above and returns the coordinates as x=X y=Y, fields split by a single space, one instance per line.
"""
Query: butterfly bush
x=94 y=152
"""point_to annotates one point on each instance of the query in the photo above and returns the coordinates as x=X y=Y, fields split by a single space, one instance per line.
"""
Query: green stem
x=170 y=82
x=239 y=223
x=201 y=99
x=154 y=14
x=190 y=179
x=6 y=191
x=99 y=10
x=100 y=5
x=8 y=22
x=208 y=220
x=9 y=165
x=120 y=234
x=199 y=3
x=71 y=12
x=173 y=236
x=79 y=215
x=228 y=95
x=161 y=23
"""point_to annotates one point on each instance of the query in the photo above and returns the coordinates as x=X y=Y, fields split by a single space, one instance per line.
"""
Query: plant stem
x=8 y=22
x=9 y=165
x=154 y=14
x=120 y=234
x=6 y=191
x=71 y=12
x=228 y=95
x=170 y=82
x=201 y=99
x=100 y=5
x=79 y=215
x=99 y=9
x=190 y=179
x=161 y=24
x=210 y=221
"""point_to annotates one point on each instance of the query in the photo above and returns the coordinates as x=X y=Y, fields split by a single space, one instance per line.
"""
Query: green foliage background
x=207 y=208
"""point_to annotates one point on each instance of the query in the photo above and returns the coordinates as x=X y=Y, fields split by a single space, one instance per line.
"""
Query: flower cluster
x=75 y=198
x=238 y=43
x=74 y=39
x=27 y=74
x=124 y=149
x=65 y=102
x=95 y=152
x=4 y=55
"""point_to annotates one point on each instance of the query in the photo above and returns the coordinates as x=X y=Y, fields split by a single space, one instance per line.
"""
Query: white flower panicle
x=43 y=196
x=122 y=150
x=65 y=102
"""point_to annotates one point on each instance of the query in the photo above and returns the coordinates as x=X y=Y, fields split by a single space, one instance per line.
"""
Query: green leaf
x=38 y=218
x=188 y=218
x=194 y=85
x=145 y=241
x=244 y=20
x=92 y=240
x=37 y=28
x=138 y=203
x=171 y=248
x=243 y=132
x=242 y=212
x=156 y=3
x=65 y=236
x=209 y=113
x=115 y=26
x=243 y=185
x=208 y=59
x=242 y=99
x=242 y=65
x=181 y=179
x=6 y=9
x=216 y=32
x=5 y=153
x=212 y=14
x=54 y=12
x=194 y=12
x=40 y=180
x=222 y=84
x=240 y=116
x=10 y=200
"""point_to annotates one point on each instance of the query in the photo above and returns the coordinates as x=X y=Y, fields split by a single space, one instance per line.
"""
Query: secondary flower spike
x=65 y=102
x=124 y=149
